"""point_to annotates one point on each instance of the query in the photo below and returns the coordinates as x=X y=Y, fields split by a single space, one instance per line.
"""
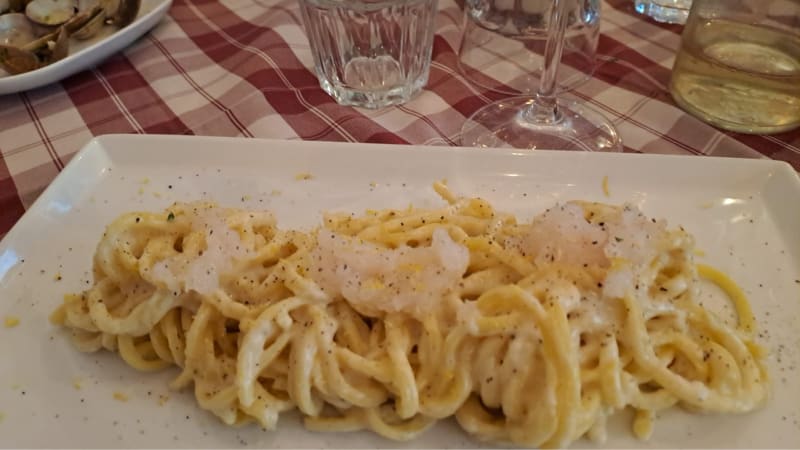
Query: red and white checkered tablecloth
x=243 y=68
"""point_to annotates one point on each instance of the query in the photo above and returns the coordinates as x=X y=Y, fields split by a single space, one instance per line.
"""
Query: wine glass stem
x=544 y=108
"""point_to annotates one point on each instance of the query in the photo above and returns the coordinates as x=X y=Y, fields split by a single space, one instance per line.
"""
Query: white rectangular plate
x=743 y=212
x=88 y=53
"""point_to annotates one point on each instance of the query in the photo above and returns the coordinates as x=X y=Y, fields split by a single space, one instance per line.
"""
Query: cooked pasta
x=529 y=333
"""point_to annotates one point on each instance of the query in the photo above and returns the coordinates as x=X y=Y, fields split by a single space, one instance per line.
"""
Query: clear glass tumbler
x=370 y=53
x=739 y=65
x=669 y=11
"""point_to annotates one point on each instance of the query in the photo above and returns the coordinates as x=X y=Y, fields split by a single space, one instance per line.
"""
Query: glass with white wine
x=739 y=65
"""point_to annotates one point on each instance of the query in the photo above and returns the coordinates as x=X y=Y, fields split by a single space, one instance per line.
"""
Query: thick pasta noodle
x=530 y=333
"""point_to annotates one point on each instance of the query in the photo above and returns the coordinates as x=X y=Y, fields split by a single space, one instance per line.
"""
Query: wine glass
x=543 y=121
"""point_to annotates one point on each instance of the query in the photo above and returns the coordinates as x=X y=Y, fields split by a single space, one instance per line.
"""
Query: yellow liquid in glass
x=739 y=77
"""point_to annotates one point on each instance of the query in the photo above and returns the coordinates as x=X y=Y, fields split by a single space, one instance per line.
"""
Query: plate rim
x=101 y=150
x=101 y=144
x=765 y=161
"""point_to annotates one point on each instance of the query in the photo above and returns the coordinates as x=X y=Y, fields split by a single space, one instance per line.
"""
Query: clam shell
x=58 y=49
x=95 y=20
x=50 y=12
x=15 y=60
x=127 y=12
x=16 y=30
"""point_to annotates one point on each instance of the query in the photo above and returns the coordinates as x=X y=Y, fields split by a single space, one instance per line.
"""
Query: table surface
x=243 y=68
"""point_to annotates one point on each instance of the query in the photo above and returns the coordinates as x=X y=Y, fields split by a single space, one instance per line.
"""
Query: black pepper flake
x=170 y=217
x=618 y=239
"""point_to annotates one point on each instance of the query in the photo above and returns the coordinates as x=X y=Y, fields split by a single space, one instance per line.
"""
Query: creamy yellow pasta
x=531 y=333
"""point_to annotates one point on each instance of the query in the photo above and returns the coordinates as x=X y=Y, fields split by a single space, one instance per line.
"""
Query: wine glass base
x=503 y=124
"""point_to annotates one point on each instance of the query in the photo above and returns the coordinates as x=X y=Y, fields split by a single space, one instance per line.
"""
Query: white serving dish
x=744 y=214
x=88 y=53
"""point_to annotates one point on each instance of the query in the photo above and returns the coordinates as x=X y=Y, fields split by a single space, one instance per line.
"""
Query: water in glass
x=370 y=53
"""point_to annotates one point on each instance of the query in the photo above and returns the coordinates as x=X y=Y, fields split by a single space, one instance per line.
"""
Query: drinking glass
x=739 y=65
x=669 y=11
x=505 y=39
x=370 y=53
x=543 y=121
